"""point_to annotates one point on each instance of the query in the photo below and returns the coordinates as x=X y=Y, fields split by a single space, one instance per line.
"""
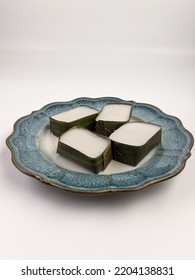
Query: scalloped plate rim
x=110 y=188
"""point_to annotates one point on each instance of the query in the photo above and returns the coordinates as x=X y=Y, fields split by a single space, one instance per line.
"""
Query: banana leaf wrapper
x=95 y=165
x=132 y=155
x=105 y=128
x=59 y=127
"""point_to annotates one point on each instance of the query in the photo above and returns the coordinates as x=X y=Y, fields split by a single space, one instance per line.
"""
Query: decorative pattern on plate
x=168 y=161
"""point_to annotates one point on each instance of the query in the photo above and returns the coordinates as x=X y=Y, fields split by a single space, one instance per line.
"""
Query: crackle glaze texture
x=168 y=161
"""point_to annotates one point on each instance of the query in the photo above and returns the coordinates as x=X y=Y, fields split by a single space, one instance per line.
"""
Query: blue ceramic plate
x=33 y=151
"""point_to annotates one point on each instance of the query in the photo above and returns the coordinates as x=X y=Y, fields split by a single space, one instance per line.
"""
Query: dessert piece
x=112 y=116
x=86 y=148
x=134 y=140
x=79 y=116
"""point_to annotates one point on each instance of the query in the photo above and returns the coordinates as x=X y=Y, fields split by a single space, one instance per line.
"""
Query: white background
x=60 y=50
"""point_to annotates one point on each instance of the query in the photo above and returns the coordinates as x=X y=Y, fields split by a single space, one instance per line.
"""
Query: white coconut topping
x=75 y=114
x=115 y=112
x=85 y=141
x=134 y=133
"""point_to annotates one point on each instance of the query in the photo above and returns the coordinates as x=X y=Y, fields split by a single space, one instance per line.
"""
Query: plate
x=33 y=150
